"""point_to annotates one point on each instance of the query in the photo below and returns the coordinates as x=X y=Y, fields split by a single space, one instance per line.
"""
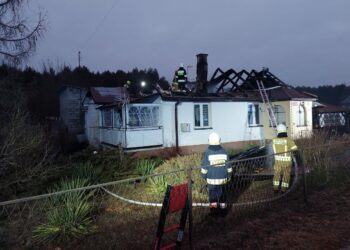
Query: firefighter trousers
x=282 y=174
x=217 y=193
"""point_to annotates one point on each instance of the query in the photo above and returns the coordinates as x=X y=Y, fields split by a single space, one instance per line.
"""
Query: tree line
x=329 y=94
x=42 y=88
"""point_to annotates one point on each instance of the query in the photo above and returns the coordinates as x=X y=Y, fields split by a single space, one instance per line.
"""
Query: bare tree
x=18 y=36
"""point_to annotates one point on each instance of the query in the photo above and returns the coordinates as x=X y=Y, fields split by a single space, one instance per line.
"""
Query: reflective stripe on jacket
x=215 y=169
x=282 y=147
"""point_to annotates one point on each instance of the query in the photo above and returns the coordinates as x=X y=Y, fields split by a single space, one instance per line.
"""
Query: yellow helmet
x=214 y=139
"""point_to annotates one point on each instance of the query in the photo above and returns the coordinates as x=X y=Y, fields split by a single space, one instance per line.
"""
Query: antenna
x=79 y=58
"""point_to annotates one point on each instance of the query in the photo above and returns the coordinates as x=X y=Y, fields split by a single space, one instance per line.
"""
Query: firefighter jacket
x=215 y=169
x=282 y=147
x=181 y=75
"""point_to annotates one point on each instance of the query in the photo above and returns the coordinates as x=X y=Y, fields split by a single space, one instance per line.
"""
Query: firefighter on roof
x=180 y=77
x=282 y=147
x=216 y=172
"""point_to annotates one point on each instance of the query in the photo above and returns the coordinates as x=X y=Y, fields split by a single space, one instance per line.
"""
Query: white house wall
x=301 y=131
x=92 y=123
x=229 y=119
x=168 y=119
x=113 y=136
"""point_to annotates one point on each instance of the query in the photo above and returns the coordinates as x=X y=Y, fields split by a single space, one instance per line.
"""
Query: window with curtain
x=301 y=116
x=117 y=118
x=201 y=116
x=253 y=114
x=280 y=114
x=107 y=118
x=143 y=116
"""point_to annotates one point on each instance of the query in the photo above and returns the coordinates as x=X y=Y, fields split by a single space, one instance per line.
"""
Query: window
x=143 y=116
x=301 y=121
x=117 y=118
x=107 y=118
x=201 y=116
x=280 y=114
x=253 y=115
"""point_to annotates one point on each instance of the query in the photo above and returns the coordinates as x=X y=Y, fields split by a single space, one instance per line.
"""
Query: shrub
x=146 y=166
x=68 y=216
x=158 y=184
x=181 y=163
x=85 y=171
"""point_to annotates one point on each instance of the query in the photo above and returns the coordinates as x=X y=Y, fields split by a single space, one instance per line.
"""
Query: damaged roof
x=106 y=95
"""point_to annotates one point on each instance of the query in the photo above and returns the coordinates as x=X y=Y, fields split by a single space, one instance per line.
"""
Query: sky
x=303 y=42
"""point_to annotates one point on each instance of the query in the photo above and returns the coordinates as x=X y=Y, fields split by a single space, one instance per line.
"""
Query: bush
x=180 y=163
x=68 y=216
x=158 y=184
x=146 y=166
x=86 y=171
x=110 y=164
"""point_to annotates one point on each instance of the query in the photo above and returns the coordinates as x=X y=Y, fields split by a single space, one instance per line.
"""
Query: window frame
x=103 y=121
x=253 y=115
x=201 y=117
x=279 y=115
x=142 y=119
x=298 y=122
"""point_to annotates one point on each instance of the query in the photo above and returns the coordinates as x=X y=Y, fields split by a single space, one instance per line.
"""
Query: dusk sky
x=303 y=42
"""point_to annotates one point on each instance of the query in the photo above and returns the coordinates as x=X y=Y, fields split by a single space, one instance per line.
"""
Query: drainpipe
x=176 y=127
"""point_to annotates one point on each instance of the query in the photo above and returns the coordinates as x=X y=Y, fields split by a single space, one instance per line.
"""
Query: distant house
x=331 y=117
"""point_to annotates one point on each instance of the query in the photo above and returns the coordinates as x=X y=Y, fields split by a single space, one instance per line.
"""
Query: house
x=332 y=118
x=184 y=120
x=178 y=121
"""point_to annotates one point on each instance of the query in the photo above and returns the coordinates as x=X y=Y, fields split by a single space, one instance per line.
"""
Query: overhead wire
x=89 y=38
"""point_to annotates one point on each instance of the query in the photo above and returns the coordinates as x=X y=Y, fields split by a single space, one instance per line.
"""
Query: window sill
x=255 y=126
x=199 y=128
x=301 y=126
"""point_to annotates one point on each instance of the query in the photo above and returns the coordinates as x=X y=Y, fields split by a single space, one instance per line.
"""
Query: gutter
x=176 y=126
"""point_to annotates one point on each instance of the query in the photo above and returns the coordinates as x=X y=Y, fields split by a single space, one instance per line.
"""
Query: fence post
x=190 y=218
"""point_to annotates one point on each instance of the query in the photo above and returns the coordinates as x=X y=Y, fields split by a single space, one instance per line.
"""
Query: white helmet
x=181 y=65
x=214 y=139
x=281 y=128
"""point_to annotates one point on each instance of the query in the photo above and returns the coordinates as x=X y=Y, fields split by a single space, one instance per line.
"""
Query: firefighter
x=282 y=147
x=181 y=77
x=216 y=172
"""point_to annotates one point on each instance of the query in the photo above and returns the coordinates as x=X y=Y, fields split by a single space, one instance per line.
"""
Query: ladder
x=175 y=199
x=267 y=103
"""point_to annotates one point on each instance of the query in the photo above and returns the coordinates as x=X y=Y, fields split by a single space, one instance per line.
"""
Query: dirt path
x=323 y=224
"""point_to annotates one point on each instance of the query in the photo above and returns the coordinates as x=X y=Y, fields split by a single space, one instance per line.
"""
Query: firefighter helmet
x=214 y=139
x=281 y=128
x=181 y=65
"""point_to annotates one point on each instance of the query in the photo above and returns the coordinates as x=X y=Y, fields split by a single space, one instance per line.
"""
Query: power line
x=100 y=23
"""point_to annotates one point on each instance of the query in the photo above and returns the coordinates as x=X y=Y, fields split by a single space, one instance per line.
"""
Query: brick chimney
x=202 y=73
